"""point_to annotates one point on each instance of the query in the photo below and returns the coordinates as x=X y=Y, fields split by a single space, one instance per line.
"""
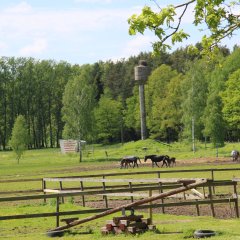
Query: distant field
x=50 y=162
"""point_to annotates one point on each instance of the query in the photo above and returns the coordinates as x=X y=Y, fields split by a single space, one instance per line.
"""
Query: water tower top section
x=141 y=72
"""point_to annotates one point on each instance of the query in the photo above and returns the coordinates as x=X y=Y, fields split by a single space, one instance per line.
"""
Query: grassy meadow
x=45 y=162
x=50 y=163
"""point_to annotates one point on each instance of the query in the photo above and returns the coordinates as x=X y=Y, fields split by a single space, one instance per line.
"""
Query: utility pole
x=141 y=73
x=80 y=148
x=193 y=136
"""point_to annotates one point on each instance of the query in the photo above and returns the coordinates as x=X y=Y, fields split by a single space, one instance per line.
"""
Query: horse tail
x=139 y=159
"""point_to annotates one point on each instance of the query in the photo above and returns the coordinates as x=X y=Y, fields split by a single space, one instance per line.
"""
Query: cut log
x=146 y=220
x=109 y=227
x=152 y=227
x=129 y=218
x=132 y=230
x=111 y=222
x=140 y=225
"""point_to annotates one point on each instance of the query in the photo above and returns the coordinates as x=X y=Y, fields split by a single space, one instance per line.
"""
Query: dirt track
x=222 y=210
x=181 y=163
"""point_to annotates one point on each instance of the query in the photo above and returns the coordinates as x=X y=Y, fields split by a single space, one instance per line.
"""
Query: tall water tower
x=141 y=73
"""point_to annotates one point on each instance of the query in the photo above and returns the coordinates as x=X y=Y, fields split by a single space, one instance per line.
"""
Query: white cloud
x=14 y=22
x=137 y=44
x=37 y=47
x=22 y=7
x=3 y=46
x=141 y=43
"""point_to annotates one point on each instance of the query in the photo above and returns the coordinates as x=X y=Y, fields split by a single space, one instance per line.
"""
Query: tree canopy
x=100 y=101
x=216 y=18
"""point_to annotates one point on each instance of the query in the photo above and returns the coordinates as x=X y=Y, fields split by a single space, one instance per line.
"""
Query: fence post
x=204 y=193
x=211 y=202
x=197 y=207
x=212 y=175
x=104 y=196
x=43 y=188
x=236 y=199
x=130 y=187
x=161 y=191
x=83 y=197
x=61 y=188
x=57 y=211
x=150 y=208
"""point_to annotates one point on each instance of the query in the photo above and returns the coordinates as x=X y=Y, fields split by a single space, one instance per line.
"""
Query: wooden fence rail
x=157 y=173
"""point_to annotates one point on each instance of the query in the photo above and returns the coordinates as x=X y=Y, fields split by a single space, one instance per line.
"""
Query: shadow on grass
x=74 y=233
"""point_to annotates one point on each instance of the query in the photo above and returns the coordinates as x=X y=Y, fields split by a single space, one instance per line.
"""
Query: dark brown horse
x=156 y=159
x=170 y=161
x=129 y=161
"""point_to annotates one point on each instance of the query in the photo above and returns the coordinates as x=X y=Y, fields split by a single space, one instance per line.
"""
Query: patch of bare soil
x=179 y=163
x=222 y=211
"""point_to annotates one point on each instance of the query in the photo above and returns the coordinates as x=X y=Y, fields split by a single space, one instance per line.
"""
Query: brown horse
x=171 y=161
x=156 y=159
x=129 y=161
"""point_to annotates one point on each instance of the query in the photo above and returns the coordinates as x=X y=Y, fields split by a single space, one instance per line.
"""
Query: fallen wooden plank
x=195 y=192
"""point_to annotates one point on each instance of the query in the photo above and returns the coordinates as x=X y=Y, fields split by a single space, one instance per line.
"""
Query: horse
x=171 y=161
x=234 y=155
x=157 y=158
x=124 y=163
x=128 y=160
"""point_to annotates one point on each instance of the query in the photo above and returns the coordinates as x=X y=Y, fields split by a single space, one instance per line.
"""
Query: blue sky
x=76 y=31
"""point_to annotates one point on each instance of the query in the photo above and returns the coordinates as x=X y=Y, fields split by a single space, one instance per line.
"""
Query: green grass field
x=50 y=162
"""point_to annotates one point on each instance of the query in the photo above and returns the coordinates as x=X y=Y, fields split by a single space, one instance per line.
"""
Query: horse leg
x=164 y=163
x=136 y=163
x=121 y=164
x=133 y=164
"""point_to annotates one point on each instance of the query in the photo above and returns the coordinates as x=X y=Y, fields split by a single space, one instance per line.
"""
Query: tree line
x=99 y=102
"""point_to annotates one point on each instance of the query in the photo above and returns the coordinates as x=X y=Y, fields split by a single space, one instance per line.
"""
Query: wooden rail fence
x=210 y=200
x=158 y=174
x=110 y=187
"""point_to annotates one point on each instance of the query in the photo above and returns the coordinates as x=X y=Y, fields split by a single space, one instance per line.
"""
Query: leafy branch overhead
x=219 y=18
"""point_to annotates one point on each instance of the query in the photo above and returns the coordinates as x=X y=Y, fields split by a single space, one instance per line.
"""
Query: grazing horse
x=128 y=160
x=234 y=155
x=157 y=158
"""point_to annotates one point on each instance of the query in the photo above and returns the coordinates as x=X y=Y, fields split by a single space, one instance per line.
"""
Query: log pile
x=128 y=224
